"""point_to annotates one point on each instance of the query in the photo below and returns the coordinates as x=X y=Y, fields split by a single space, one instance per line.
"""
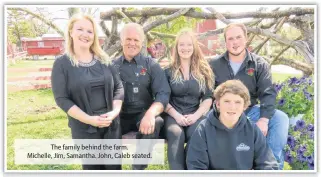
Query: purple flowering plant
x=296 y=96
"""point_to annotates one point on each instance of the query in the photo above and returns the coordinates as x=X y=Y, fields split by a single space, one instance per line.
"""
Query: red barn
x=48 y=44
x=211 y=43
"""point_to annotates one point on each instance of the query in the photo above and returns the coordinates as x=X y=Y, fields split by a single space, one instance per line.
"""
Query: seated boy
x=227 y=140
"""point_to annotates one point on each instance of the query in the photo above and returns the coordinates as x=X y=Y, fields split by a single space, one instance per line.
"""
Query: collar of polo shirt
x=138 y=59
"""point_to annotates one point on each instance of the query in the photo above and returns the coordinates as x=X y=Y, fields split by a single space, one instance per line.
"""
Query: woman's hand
x=191 y=119
x=98 y=121
x=181 y=120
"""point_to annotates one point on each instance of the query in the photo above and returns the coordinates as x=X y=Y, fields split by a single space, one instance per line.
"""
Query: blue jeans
x=277 y=131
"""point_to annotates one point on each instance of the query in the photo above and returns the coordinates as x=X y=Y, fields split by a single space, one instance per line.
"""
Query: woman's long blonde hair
x=200 y=68
x=94 y=48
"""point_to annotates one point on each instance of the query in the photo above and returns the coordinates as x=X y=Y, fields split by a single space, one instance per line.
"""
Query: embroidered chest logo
x=242 y=147
x=143 y=71
x=250 y=71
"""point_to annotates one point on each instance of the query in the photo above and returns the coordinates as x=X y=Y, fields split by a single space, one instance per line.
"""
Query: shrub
x=295 y=97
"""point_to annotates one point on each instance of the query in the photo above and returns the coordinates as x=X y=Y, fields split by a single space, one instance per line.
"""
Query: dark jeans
x=131 y=122
x=176 y=136
x=111 y=132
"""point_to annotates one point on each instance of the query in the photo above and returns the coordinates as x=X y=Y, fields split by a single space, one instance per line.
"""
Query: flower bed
x=296 y=98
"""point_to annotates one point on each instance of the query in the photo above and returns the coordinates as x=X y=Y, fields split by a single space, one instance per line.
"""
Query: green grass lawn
x=34 y=115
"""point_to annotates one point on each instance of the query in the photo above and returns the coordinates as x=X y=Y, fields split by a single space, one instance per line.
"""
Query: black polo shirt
x=186 y=96
x=255 y=74
x=144 y=83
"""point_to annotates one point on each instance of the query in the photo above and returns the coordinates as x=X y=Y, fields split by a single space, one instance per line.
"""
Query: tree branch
x=104 y=28
x=305 y=68
x=123 y=14
x=255 y=22
x=149 y=26
x=163 y=35
x=202 y=36
x=96 y=9
x=166 y=19
x=268 y=25
x=116 y=46
x=112 y=49
x=142 y=20
x=277 y=28
x=300 y=46
x=251 y=37
x=307 y=31
x=302 y=19
x=114 y=32
x=204 y=15
x=285 y=49
x=46 y=21
x=218 y=15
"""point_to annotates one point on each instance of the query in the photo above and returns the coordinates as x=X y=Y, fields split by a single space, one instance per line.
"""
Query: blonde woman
x=87 y=87
x=191 y=80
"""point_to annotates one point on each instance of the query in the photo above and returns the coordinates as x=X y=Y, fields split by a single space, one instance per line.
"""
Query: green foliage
x=289 y=32
x=295 y=97
x=19 y=25
x=20 y=29
x=174 y=26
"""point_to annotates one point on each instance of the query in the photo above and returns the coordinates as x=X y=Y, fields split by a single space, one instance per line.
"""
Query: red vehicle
x=40 y=51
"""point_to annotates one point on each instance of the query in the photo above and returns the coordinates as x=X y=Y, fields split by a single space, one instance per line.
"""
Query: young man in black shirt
x=254 y=72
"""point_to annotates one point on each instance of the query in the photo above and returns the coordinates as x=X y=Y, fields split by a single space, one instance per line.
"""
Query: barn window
x=40 y=44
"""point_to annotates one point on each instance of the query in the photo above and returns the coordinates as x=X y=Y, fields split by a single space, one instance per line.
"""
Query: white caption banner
x=89 y=151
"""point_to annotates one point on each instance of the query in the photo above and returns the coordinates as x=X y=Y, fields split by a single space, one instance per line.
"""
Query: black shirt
x=144 y=83
x=92 y=87
x=186 y=96
x=256 y=76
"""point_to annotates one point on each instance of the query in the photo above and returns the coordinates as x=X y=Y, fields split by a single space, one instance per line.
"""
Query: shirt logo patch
x=143 y=71
x=250 y=71
x=242 y=147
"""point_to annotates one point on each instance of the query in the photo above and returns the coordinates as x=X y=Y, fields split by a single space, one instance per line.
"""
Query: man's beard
x=237 y=53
